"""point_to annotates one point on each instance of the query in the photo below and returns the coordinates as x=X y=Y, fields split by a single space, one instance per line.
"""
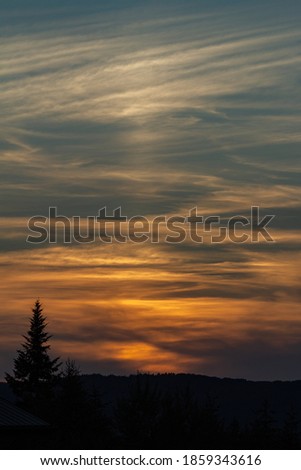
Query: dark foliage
x=147 y=417
x=78 y=420
x=164 y=411
x=35 y=373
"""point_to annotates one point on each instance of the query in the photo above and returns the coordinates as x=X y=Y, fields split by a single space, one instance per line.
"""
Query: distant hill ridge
x=237 y=398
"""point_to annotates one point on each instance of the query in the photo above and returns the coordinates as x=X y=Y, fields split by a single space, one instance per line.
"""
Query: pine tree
x=263 y=433
x=72 y=395
x=290 y=433
x=34 y=373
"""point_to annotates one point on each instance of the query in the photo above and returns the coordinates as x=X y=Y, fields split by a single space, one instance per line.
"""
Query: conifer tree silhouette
x=263 y=431
x=34 y=373
x=290 y=433
x=137 y=415
x=79 y=417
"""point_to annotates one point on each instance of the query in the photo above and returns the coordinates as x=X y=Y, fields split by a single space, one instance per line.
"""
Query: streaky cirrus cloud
x=157 y=108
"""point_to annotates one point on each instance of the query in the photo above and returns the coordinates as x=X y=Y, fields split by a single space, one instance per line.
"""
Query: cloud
x=158 y=109
x=147 y=306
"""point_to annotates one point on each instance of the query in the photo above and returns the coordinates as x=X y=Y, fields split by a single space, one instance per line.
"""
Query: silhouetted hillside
x=173 y=411
x=237 y=398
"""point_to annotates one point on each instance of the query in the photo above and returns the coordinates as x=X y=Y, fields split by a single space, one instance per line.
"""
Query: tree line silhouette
x=144 y=418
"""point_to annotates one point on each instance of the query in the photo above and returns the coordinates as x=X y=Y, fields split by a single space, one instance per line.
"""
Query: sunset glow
x=155 y=108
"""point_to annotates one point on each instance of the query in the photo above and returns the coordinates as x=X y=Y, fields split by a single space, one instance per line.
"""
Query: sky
x=157 y=108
